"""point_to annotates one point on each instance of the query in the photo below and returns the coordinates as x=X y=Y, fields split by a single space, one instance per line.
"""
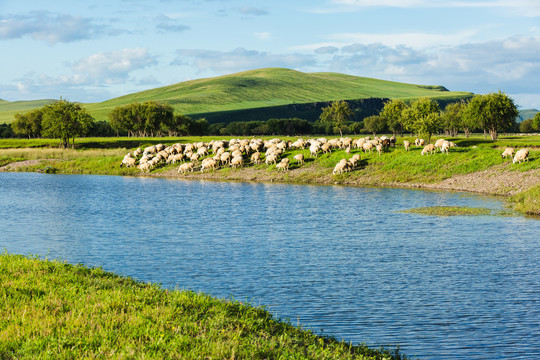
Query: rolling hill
x=268 y=88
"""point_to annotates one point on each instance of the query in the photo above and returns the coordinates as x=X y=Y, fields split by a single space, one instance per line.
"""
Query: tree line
x=492 y=113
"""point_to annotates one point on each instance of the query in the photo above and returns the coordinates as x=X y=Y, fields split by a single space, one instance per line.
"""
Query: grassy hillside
x=262 y=88
x=526 y=114
x=9 y=108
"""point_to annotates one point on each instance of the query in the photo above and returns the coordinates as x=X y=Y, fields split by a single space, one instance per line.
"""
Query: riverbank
x=475 y=166
x=71 y=311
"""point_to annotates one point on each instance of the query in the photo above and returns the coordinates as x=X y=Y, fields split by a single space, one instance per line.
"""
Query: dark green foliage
x=65 y=120
x=29 y=124
x=494 y=113
x=144 y=119
x=375 y=124
x=6 y=131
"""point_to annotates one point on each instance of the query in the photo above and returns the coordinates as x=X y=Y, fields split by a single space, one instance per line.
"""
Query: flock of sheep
x=236 y=152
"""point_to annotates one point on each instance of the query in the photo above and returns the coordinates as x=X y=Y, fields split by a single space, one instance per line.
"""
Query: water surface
x=342 y=261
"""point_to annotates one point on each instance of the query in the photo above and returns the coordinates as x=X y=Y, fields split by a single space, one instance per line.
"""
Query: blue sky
x=95 y=50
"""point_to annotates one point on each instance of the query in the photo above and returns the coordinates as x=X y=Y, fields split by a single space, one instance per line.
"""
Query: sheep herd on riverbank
x=235 y=153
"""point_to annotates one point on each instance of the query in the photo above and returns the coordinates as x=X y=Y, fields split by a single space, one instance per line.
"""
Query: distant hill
x=526 y=114
x=258 y=94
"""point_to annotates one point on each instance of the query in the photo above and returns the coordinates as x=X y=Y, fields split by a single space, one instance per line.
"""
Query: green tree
x=65 y=120
x=423 y=117
x=536 y=121
x=28 y=124
x=336 y=114
x=493 y=112
x=452 y=117
x=374 y=124
x=392 y=113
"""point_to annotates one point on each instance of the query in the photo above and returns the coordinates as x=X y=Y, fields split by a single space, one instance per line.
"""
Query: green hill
x=526 y=114
x=9 y=108
x=267 y=88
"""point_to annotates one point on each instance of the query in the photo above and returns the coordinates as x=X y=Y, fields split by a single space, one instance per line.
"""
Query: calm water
x=339 y=260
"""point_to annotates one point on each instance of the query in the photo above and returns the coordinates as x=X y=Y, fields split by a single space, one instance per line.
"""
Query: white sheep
x=439 y=143
x=407 y=144
x=429 y=148
x=342 y=166
x=271 y=159
x=419 y=142
x=299 y=158
x=521 y=155
x=508 y=152
x=237 y=162
x=128 y=161
x=283 y=165
x=208 y=163
x=185 y=167
x=367 y=146
x=445 y=146
x=256 y=158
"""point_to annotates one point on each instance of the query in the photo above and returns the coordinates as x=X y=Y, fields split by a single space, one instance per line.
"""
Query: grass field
x=255 y=89
x=55 y=310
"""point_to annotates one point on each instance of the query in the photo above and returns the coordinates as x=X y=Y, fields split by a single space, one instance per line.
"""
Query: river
x=342 y=261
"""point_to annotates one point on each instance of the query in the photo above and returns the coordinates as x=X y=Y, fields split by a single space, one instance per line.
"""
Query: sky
x=91 y=51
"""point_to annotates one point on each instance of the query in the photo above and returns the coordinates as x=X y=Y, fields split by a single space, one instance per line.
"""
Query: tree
x=493 y=112
x=374 y=124
x=392 y=113
x=28 y=124
x=336 y=114
x=148 y=118
x=423 y=117
x=452 y=118
x=65 y=120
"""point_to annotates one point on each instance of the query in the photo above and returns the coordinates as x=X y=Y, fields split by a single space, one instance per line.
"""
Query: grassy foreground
x=55 y=310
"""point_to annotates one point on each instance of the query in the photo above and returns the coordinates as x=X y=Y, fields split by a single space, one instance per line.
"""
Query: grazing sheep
x=521 y=155
x=445 y=146
x=185 y=167
x=299 y=158
x=508 y=152
x=354 y=160
x=128 y=161
x=256 y=158
x=429 y=148
x=270 y=159
x=367 y=146
x=419 y=142
x=439 y=143
x=283 y=165
x=407 y=144
x=342 y=166
x=145 y=167
x=326 y=148
x=379 y=148
x=393 y=141
x=237 y=162
x=208 y=163
x=386 y=144
x=314 y=150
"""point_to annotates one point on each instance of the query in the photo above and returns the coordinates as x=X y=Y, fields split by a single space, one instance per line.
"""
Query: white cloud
x=52 y=27
x=112 y=67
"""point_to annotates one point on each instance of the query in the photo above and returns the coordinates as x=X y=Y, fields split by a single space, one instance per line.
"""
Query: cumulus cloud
x=511 y=65
x=112 y=67
x=52 y=27
x=239 y=60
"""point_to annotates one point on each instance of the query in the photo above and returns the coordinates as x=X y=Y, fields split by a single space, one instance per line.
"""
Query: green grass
x=258 y=89
x=55 y=310
x=528 y=201
x=449 y=211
